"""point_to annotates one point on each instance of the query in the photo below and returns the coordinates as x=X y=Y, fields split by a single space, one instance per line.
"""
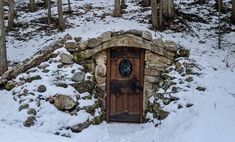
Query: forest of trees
x=162 y=10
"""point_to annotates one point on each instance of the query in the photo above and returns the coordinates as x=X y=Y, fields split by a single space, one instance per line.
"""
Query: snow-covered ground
x=210 y=119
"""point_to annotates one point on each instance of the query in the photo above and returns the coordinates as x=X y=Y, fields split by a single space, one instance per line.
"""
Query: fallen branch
x=36 y=60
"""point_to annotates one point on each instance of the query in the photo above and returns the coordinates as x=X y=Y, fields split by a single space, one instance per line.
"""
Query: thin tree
x=219 y=4
x=233 y=11
x=168 y=9
x=69 y=5
x=219 y=34
x=117 y=9
x=123 y=4
x=49 y=11
x=60 y=15
x=3 y=53
x=32 y=5
x=154 y=14
x=11 y=15
x=161 y=20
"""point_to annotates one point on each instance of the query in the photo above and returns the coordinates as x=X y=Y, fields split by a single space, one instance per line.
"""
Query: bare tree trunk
x=3 y=53
x=219 y=34
x=219 y=3
x=154 y=14
x=117 y=9
x=32 y=6
x=161 y=20
x=233 y=11
x=60 y=15
x=123 y=4
x=168 y=9
x=49 y=11
x=146 y=3
x=69 y=5
x=11 y=15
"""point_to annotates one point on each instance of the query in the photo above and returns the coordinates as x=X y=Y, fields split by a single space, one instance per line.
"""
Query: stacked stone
x=155 y=65
x=158 y=56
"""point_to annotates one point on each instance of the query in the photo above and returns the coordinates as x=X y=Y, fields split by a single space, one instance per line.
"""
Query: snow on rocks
x=147 y=35
x=42 y=88
x=210 y=119
x=39 y=92
x=79 y=127
x=79 y=76
x=66 y=58
x=62 y=81
x=30 y=121
x=93 y=42
x=70 y=44
x=63 y=102
x=69 y=88
x=106 y=36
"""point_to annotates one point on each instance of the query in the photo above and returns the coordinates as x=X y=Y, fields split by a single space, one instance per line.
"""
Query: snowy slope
x=12 y=134
x=211 y=119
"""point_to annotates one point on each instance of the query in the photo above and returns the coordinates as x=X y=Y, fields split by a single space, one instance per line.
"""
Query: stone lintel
x=126 y=40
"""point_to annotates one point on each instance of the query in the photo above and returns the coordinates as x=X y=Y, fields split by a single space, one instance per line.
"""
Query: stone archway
x=158 y=55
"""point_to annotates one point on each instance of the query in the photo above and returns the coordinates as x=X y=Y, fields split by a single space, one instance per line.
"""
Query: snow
x=210 y=119
x=12 y=134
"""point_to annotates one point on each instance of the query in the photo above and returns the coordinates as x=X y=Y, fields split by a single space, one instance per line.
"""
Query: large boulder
x=78 y=76
x=100 y=70
x=93 y=42
x=171 y=46
x=70 y=44
x=30 y=121
x=147 y=35
x=31 y=79
x=189 y=79
x=32 y=111
x=10 y=85
x=159 y=42
x=135 y=32
x=183 y=52
x=23 y=106
x=42 y=88
x=81 y=126
x=158 y=112
x=106 y=36
x=82 y=45
x=63 y=102
x=86 y=86
x=161 y=114
x=66 y=58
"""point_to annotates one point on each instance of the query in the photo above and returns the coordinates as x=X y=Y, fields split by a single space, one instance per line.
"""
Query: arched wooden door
x=125 y=69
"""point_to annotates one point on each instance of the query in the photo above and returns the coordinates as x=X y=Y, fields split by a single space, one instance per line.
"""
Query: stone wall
x=158 y=56
x=100 y=74
x=154 y=65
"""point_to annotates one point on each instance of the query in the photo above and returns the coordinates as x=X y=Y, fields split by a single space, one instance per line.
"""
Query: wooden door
x=125 y=84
